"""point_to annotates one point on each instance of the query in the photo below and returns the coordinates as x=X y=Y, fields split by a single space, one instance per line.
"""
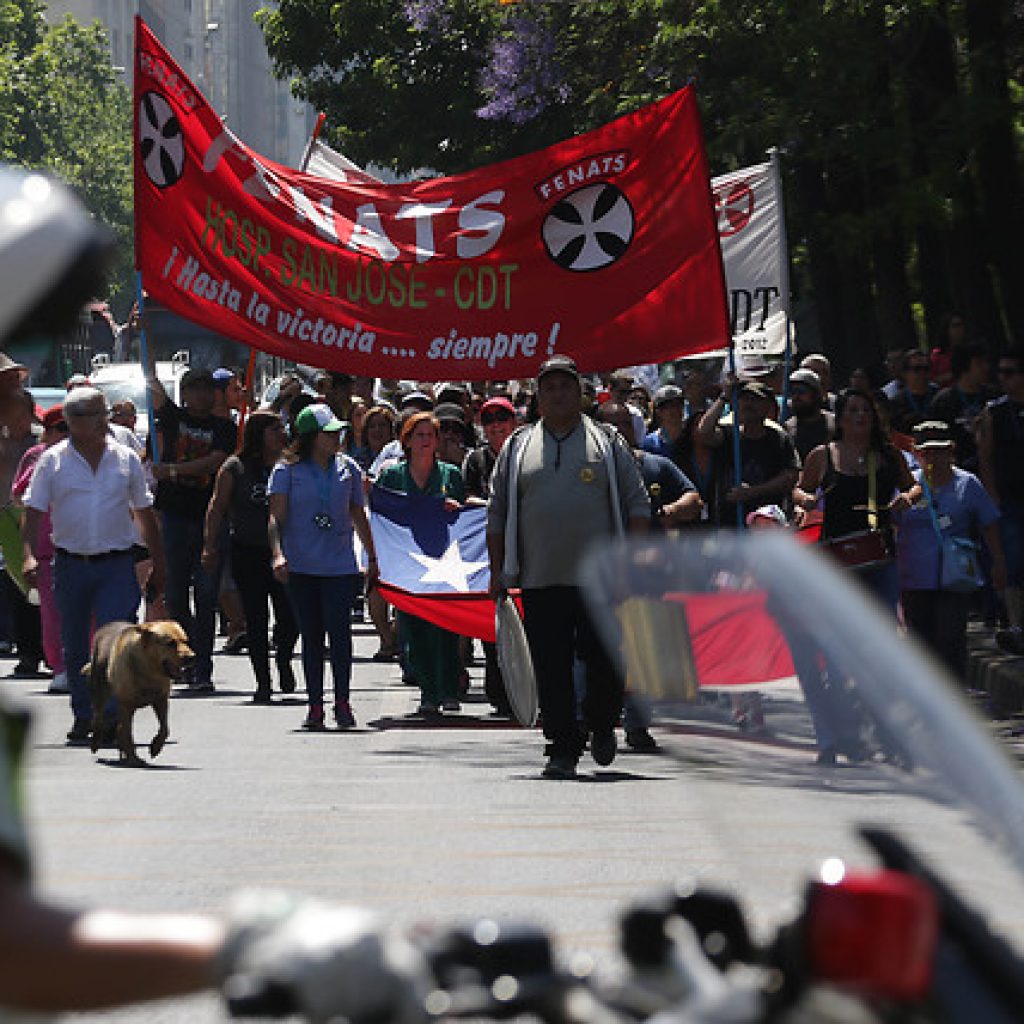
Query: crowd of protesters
x=257 y=522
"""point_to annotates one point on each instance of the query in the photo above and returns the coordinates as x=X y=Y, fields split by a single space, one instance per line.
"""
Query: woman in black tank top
x=840 y=474
x=240 y=495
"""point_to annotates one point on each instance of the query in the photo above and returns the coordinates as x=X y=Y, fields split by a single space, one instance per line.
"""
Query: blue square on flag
x=424 y=549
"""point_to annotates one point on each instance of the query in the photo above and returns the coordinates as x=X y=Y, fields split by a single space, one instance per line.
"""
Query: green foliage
x=63 y=110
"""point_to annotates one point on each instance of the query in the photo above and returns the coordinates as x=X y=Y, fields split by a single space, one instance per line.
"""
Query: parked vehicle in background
x=119 y=381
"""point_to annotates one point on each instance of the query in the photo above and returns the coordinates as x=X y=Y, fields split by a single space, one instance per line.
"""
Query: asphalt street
x=452 y=821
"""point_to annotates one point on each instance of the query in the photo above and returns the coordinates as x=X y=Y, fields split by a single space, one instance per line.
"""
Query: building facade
x=220 y=47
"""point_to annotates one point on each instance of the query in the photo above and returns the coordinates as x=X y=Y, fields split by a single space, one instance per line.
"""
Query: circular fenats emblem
x=160 y=140
x=589 y=229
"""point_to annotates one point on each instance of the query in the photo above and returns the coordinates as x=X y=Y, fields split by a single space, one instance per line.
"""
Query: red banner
x=603 y=247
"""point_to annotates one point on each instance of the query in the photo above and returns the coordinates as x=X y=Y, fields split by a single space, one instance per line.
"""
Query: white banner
x=752 y=230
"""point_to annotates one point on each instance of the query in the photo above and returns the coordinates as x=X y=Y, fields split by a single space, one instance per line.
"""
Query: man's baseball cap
x=77 y=380
x=222 y=377
x=416 y=398
x=53 y=417
x=933 y=434
x=772 y=513
x=558 y=364
x=318 y=418
x=807 y=377
x=196 y=376
x=450 y=411
x=755 y=389
x=667 y=393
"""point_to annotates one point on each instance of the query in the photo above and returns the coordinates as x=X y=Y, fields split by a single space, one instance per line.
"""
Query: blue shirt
x=657 y=443
x=314 y=492
x=961 y=506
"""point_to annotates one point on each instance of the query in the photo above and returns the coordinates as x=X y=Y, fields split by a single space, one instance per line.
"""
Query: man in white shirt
x=92 y=486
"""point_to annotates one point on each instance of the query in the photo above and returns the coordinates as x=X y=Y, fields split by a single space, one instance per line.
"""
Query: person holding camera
x=317 y=499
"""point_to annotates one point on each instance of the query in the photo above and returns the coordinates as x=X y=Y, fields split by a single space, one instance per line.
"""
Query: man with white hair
x=92 y=487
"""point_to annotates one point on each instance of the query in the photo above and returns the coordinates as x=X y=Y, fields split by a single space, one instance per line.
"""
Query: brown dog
x=135 y=665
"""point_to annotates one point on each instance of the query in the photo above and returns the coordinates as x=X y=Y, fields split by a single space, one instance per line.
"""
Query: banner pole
x=317 y=128
x=154 y=440
x=773 y=156
x=734 y=397
x=250 y=372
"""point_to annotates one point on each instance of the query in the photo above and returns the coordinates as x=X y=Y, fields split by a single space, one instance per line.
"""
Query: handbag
x=959 y=571
x=874 y=546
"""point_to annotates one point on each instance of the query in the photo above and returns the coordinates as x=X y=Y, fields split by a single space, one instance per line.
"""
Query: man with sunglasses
x=95 y=491
x=913 y=401
x=810 y=426
x=1000 y=439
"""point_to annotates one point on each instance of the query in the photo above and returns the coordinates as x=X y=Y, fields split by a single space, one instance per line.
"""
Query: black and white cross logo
x=589 y=229
x=160 y=140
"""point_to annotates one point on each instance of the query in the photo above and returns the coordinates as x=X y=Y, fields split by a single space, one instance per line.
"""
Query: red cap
x=53 y=417
x=498 y=403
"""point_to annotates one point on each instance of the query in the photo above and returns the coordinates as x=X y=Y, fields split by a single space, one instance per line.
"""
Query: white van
x=119 y=381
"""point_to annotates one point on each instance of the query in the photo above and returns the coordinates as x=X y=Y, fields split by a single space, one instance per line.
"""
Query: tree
x=895 y=121
x=63 y=110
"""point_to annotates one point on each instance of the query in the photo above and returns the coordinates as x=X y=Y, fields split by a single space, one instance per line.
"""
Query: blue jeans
x=323 y=604
x=183 y=547
x=88 y=593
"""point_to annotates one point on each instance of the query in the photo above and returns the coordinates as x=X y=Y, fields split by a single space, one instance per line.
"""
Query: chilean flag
x=433 y=563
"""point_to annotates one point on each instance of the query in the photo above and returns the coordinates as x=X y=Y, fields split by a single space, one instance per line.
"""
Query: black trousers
x=25 y=623
x=557 y=629
x=251 y=570
x=939 y=618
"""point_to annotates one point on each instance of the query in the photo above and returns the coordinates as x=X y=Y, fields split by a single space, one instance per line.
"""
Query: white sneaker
x=59 y=684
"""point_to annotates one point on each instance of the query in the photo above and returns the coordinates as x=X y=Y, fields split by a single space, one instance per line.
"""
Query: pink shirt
x=22 y=478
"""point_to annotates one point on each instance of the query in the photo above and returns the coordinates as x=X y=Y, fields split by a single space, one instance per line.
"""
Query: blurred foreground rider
x=329 y=961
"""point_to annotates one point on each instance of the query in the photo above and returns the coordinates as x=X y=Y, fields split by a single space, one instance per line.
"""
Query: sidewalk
x=998 y=674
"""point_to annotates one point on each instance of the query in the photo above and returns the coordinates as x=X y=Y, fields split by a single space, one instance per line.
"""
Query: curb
x=995 y=672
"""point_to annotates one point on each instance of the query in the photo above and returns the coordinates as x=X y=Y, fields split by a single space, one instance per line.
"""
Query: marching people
x=498 y=421
x=20 y=435
x=954 y=505
x=192 y=446
x=95 y=491
x=317 y=500
x=962 y=403
x=668 y=412
x=240 y=497
x=1000 y=443
x=861 y=480
x=912 y=404
x=558 y=486
x=433 y=652
x=55 y=429
x=818 y=363
x=769 y=462
x=810 y=425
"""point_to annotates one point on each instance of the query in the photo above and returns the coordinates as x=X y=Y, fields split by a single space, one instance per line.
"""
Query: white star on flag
x=449 y=568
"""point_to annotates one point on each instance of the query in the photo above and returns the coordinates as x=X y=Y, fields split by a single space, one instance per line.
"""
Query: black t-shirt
x=1008 y=445
x=906 y=410
x=961 y=411
x=249 y=503
x=810 y=432
x=185 y=437
x=761 y=459
x=476 y=471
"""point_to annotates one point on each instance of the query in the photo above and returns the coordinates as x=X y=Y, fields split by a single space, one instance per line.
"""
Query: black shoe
x=560 y=766
x=79 y=733
x=641 y=740
x=826 y=757
x=261 y=697
x=603 y=747
x=285 y=677
x=236 y=644
x=315 y=719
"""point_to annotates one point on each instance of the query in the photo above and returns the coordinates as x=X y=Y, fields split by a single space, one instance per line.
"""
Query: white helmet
x=53 y=255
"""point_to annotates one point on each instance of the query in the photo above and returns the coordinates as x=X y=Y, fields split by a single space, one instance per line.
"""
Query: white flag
x=325 y=162
x=751 y=227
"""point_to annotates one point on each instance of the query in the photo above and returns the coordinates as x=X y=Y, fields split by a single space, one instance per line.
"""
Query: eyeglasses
x=494 y=417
